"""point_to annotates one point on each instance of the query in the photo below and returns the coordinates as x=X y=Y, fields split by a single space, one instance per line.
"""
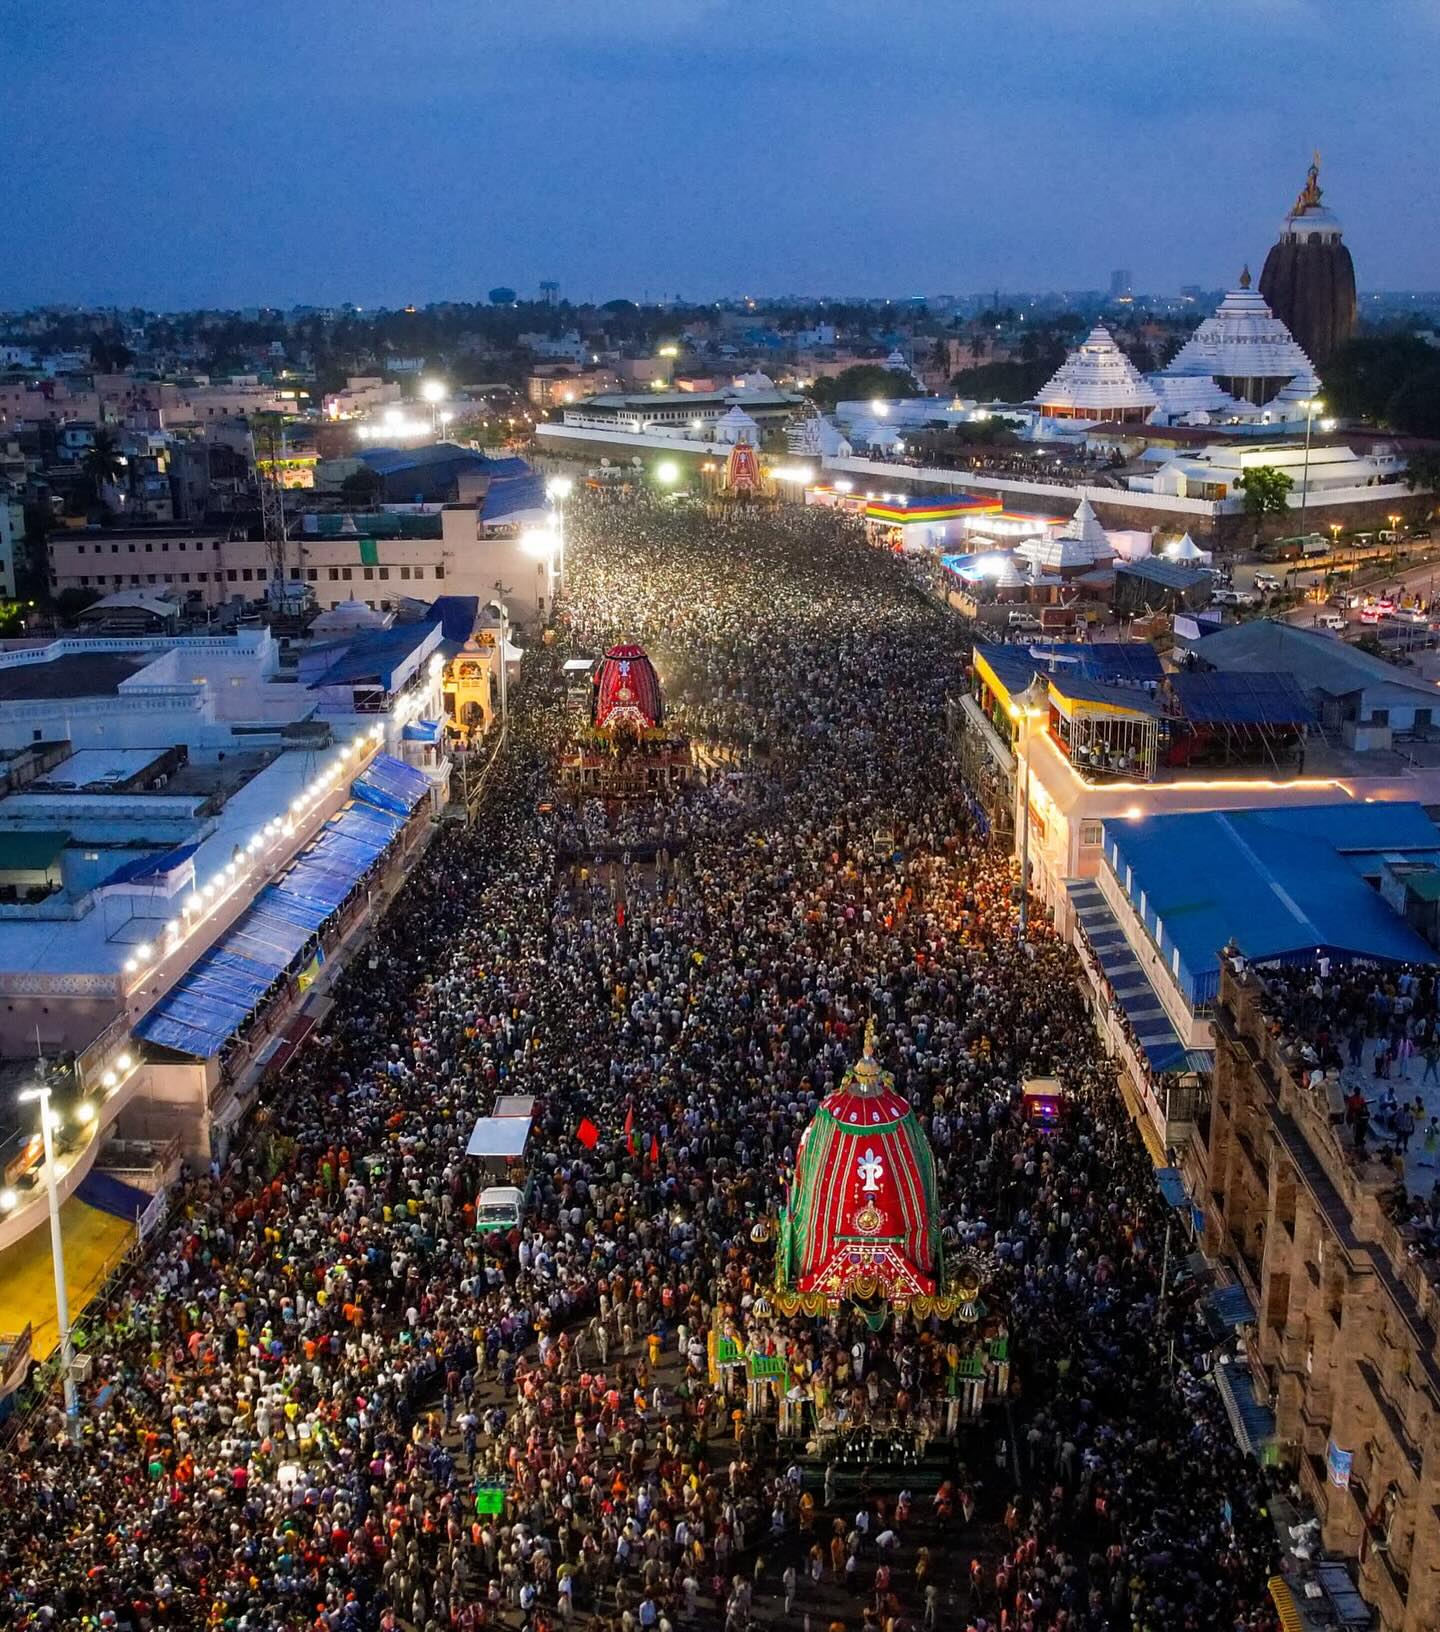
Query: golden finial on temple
x=1244 y=277
x=870 y=1038
x=1309 y=198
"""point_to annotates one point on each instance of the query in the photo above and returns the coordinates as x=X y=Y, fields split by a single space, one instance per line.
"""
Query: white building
x=1246 y=354
x=1214 y=471
x=1097 y=382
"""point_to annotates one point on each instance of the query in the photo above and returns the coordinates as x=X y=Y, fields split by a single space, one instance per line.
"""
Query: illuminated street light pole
x=41 y=1094
x=434 y=393
x=1031 y=709
x=503 y=612
x=560 y=488
x=1312 y=406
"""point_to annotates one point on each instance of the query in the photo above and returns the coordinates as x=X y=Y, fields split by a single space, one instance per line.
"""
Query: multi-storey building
x=380 y=559
x=1341 y=1334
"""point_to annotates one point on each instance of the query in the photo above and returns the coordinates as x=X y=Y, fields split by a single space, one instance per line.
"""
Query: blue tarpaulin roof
x=1079 y=690
x=456 y=615
x=513 y=497
x=1253 y=1424
x=390 y=784
x=228 y=982
x=1159 y=1042
x=1283 y=883
x=1232 y=1304
x=1217 y=697
x=392 y=461
x=152 y=865
x=1103 y=662
x=112 y=1195
x=1172 y=1187
x=374 y=655
x=422 y=731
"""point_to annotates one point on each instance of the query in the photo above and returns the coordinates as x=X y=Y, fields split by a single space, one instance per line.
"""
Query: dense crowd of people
x=326 y=1400
x=1366 y=1041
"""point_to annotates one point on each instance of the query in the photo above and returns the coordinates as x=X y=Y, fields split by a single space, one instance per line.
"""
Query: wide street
x=304 y=1396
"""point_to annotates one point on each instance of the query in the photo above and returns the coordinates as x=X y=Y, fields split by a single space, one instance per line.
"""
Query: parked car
x=1335 y=622
x=1024 y=620
x=1267 y=581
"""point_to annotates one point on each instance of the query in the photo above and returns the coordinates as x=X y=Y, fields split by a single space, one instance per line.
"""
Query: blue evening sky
x=228 y=152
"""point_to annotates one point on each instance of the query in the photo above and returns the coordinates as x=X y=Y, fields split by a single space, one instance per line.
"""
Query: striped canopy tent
x=862 y=1222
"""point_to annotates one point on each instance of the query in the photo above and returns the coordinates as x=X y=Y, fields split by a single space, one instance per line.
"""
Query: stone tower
x=1309 y=278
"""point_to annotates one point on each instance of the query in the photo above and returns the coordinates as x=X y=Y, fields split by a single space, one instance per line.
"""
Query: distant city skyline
x=171 y=157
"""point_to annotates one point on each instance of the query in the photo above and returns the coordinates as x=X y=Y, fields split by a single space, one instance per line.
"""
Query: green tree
x=101 y=463
x=70 y=603
x=109 y=353
x=862 y=381
x=1388 y=379
x=1422 y=470
x=1267 y=493
x=363 y=485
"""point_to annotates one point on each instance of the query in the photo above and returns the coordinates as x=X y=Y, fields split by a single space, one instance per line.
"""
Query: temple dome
x=1097 y=381
x=1243 y=347
x=862 y=1220
x=626 y=692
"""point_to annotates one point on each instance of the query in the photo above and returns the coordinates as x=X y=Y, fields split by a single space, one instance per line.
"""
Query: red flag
x=630 y=1128
x=654 y=1148
x=587 y=1133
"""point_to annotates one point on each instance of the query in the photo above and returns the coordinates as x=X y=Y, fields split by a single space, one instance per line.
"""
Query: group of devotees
x=326 y=1400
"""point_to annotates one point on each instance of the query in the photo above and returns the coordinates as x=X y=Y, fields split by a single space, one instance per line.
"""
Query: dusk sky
x=173 y=153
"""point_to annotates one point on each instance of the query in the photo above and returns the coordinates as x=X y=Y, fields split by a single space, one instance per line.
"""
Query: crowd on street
x=325 y=1400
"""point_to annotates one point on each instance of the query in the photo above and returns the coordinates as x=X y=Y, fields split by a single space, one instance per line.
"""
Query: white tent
x=1186 y=551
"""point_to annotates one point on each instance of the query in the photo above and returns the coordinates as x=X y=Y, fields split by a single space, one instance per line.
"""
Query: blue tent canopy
x=231 y=979
x=392 y=785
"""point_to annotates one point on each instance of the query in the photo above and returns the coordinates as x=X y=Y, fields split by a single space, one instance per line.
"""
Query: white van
x=1332 y=621
x=499 y=1207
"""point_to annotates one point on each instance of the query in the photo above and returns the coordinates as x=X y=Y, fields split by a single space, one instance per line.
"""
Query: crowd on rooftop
x=302 y=1398
x=1364 y=1036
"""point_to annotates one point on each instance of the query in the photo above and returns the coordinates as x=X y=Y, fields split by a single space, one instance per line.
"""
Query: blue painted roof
x=1282 y=883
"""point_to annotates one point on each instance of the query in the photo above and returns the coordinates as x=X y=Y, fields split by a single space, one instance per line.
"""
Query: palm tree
x=102 y=463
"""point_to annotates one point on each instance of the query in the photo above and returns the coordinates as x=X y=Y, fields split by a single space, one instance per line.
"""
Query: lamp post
x=560 y=488
x=433 y=392
x=1029 y=707
x=503 y=611
x=1312 y=406
x=41 y=1094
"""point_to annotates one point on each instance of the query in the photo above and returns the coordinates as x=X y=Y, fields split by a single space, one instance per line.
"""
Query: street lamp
x=502 y=611
x=41 y=1094
x=434 y=393
x=559 y=489
x=1312 y=406
x=1032 y=704
x=667 y=472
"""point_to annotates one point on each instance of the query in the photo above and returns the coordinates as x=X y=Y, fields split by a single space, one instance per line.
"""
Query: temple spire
x=1309 y=197
x=1245 y=277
